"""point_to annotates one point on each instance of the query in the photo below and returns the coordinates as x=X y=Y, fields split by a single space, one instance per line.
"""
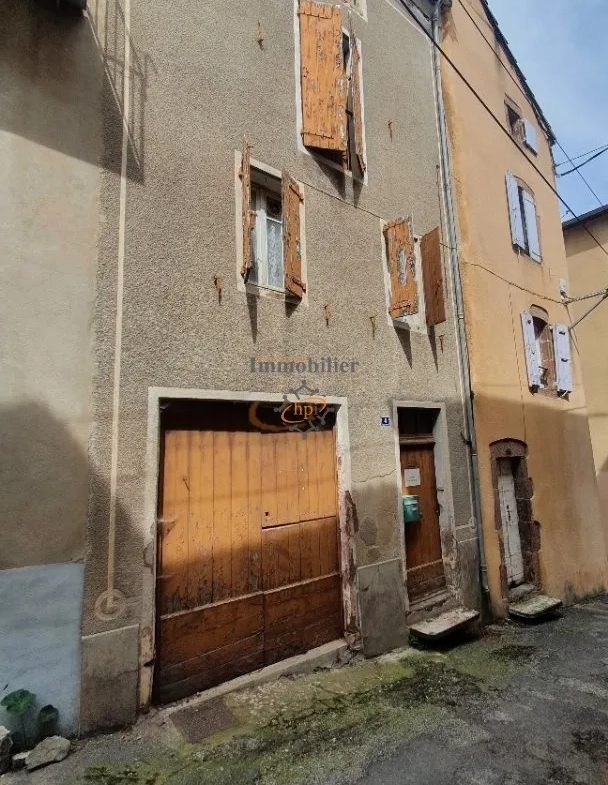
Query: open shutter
x=248 y=213
x=291 y=196
x=322 y=75
x=531 y=350
x=563 y=360
x=529 y=135
x=531 y=222
x=357 y=98
x=515 y=216
x=402 y=267
x=432 y=277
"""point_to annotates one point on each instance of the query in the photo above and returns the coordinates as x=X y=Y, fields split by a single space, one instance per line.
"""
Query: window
x=544 y=348
x=523 y=217
x=547 y=350
x=331 y=94
x=271 y=216
x=407 y=261
x=521 y=128
x=360 y=6
x=267 y=237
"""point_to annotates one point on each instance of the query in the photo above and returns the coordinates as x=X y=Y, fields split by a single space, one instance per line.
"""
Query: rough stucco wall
x=49 y=187
x=498 y=284
x=588 y=273
x=207 y=83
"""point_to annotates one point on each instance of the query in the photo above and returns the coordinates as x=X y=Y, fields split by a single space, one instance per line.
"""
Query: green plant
x=47 y=719
x=18 y=703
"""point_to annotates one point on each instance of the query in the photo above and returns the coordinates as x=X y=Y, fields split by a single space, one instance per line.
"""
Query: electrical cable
x=582 y=155
x=577 y=218
x=523 y=92
x=576 y=168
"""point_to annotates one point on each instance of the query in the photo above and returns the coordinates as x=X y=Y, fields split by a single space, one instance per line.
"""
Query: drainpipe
x=446 y=170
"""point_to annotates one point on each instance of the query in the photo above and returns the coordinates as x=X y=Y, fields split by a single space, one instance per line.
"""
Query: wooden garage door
x=248 y=568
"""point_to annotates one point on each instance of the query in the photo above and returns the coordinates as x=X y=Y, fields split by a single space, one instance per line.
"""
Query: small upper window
x=547 y=351
x=523 y=217
x=521 y=128
x=330 y=64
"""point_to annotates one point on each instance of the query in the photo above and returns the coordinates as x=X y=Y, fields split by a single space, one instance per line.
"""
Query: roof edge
x=540 y=115
x=579 y=220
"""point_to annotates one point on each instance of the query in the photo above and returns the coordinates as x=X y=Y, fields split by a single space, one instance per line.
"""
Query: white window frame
x=261 y=235
x=358 y=6
x=298 y=80
x=261 y=169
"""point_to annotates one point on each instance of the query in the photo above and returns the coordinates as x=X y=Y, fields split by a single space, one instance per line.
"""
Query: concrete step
x=444 y=624
x=519 y=592
x=534 y=606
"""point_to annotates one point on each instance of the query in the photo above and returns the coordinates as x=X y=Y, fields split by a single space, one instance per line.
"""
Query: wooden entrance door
x=510 y=522
x=424 y=562
x=248 y=558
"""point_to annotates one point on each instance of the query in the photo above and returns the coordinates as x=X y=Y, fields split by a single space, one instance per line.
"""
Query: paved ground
x=518 y=705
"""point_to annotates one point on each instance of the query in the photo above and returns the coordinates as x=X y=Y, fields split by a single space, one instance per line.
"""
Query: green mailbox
x=411 y=509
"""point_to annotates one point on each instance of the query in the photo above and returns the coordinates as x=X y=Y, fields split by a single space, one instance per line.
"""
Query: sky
x=562 y=48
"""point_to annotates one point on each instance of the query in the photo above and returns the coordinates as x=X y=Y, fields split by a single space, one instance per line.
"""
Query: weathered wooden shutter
x=531 y=222
x=248 y=213
x=357 y=98
x=432 y=277
x=322 y=74
x=529 y=135
x=402 y=267
x=563 y=359
x=291 y=196
x=515 y=216
x=531 y=350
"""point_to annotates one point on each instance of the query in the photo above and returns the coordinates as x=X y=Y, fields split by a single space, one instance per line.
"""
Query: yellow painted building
x=539 y=503
x=588 y=266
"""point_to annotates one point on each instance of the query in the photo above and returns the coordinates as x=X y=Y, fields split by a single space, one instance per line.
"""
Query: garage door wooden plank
x=302 y=639
x=222 y=517
x=303 y=483
x=254 y=473
x=312 y=479
x=329 y=560
x=326 y=473
x=240 y=514
x=269 y=480
x=214 y=668
x=275 y=557
x=200 y=526
x=187 y=635
x=302 y=603
x=173 y=528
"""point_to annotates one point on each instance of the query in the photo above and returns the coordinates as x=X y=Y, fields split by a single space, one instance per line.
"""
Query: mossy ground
x=327 y=725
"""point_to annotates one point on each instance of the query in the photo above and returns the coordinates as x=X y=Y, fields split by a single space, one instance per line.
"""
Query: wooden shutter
x=248 y=213
x=291 y=196
x=322 y=74
x=432 y=277
x=402 y=267
x=529 y=135
x=515 y=216
x=531 y=350
x=531 y=222
x=563 y=360
x=357 y=98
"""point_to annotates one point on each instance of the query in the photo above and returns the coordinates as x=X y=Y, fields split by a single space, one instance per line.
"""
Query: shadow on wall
x=45 y=479
x=61 y=69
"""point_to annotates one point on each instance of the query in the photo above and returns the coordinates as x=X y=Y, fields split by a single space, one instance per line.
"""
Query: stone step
x=444 y=624
x=534 y=606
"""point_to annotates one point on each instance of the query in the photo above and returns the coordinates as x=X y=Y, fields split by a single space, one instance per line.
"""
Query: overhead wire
x=523 y=92
x=498 y=122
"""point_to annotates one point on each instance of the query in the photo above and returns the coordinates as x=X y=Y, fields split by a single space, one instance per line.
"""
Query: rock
x=50 y=750
x=6 y=744
x=19 y=760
